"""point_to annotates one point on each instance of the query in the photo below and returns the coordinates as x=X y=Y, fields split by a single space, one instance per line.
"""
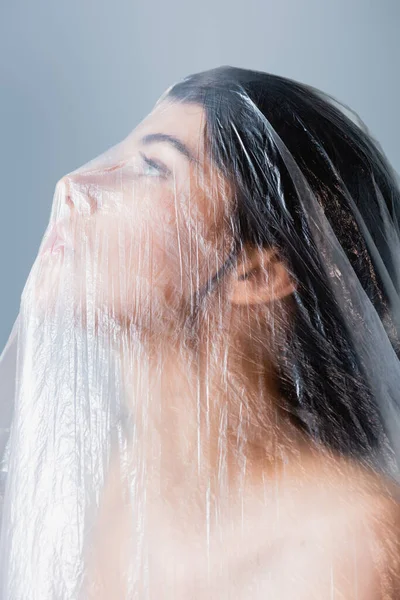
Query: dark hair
x=326 y=391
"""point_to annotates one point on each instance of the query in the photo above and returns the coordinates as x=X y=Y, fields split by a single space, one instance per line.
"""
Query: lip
x=55 y=242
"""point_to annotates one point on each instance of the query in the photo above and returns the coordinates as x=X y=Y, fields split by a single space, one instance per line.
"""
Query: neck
x=197 y=428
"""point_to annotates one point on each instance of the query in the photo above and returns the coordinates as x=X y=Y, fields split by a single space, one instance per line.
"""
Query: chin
x=44 y=287
x=53 y=293
x=69 y=293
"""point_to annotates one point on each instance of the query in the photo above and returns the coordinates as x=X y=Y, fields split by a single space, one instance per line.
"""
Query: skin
x=320 y=528
x=279 y=513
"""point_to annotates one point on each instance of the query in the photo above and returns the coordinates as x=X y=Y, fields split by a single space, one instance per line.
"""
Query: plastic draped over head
x=217 y=293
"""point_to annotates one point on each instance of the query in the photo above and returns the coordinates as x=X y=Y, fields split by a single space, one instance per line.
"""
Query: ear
x=261 y=277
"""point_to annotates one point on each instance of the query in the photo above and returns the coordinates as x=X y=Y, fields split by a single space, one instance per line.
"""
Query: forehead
x=184 y=121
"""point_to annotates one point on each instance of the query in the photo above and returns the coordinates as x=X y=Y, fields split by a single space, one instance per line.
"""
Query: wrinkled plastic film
x=214 y=306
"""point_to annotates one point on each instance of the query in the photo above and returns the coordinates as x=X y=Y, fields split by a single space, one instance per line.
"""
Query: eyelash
x=163 y=171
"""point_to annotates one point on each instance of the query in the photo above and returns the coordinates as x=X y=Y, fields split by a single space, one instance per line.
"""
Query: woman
x=214 y=321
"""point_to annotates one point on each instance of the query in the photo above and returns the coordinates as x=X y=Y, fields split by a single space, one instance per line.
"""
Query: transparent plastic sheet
x=8 y=366
x=206 y=359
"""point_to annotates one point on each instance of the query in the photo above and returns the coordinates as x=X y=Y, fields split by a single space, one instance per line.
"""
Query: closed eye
x=154 y=168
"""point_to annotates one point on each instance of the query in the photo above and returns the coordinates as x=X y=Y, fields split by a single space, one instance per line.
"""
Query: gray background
x=77 y=75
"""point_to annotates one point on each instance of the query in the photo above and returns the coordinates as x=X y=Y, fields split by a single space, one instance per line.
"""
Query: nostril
x=63 y=192
x=68 y=201
x=92 y=203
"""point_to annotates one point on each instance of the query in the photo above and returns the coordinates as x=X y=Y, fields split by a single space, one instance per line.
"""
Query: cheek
x=141 y=259
x=154 y=251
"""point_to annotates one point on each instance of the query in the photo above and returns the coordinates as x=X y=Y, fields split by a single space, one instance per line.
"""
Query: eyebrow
x=169 y=139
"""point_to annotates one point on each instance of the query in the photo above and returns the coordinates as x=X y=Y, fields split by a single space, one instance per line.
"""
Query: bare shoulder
x=351 y=530
x=379 y=520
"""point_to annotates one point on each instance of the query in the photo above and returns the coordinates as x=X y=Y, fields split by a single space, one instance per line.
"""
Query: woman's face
x=145 y=221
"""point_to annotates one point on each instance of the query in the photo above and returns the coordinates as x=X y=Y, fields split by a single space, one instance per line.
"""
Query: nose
x=77 y=194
